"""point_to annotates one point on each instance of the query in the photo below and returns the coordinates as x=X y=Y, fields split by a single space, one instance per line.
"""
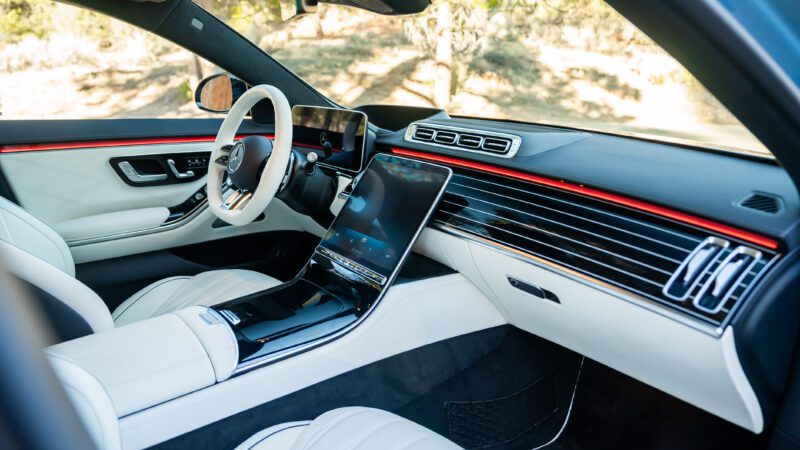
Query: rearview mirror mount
x=295 y=9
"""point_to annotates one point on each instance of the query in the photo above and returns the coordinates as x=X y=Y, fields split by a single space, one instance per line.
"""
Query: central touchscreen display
x=335 y=135
x=385 y=211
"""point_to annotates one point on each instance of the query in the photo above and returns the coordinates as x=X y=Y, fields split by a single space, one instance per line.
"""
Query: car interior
x=298 y=274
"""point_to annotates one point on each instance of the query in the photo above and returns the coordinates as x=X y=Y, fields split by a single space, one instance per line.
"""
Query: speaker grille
x=766 y=203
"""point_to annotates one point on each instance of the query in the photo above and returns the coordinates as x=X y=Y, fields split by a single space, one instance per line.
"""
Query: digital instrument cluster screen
x=337 y=136
x=388 y=206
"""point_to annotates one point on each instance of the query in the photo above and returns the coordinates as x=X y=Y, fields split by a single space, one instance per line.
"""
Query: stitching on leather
x=96 y=415
x=370 y=433
x=332 y=421
x=214 y=287
x=234 y=341
x=274 y=433
x=199 y=341
x=7 y=229
x=116 y=316
x=416 y=441
x=91 y=375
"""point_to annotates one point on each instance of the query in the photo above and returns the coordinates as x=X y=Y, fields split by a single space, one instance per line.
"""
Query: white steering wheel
x=251 y=188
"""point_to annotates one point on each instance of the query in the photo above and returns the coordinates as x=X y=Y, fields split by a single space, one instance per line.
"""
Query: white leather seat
x=346 y=429
x=207 y=289
x=36 y=254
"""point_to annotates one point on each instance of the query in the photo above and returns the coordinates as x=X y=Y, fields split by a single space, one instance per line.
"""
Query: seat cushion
x=349 y=428
x=206 y=289
x=281 y=436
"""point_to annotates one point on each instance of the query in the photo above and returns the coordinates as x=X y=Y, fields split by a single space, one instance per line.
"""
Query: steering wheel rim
x=252 y=204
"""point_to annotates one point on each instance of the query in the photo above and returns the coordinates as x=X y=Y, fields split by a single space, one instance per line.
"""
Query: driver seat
x=40 y=258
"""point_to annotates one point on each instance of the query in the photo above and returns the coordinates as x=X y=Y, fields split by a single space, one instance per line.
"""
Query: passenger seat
x=349 y=429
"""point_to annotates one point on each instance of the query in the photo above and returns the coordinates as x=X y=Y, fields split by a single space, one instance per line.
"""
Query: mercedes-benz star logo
x=235 y=159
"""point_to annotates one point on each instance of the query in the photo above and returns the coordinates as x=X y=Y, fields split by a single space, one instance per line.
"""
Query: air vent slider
x=714 y=294
x=687 y=276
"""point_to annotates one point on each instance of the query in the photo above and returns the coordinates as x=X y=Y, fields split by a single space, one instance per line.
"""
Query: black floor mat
x=522 y=368
x=501 y=421
x=614 y=411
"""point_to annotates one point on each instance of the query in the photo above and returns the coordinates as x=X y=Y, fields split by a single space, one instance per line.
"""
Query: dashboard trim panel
x=618 y=292
x=606 y=243
x=678 y=216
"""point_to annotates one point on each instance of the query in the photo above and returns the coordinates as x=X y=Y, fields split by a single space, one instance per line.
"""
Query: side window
x=61 y=62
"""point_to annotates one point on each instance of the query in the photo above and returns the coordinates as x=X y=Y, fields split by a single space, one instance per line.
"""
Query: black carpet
x=614 y=411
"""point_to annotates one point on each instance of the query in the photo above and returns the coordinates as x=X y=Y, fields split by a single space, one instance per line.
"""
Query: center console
x=350 y=270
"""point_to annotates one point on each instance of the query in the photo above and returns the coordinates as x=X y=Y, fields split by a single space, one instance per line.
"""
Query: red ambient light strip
x=16 y=148
x=600 y=195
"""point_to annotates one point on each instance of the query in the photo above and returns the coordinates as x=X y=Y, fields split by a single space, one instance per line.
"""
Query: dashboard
x=624 y=250
x=665 y=262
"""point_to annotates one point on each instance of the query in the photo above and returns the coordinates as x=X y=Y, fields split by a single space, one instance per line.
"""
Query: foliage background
x=570 y=62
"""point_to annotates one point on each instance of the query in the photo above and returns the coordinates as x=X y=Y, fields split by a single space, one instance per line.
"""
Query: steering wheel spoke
x=237 y=200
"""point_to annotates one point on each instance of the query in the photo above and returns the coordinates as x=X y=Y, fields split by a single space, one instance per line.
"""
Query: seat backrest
x=38 y=256
x=23 y=230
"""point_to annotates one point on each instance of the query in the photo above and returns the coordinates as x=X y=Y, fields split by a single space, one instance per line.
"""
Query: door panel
x=63 y=185
x=79 y=190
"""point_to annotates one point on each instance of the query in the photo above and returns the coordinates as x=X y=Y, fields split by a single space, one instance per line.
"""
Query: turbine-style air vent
x=490 y=142
x=767 y=203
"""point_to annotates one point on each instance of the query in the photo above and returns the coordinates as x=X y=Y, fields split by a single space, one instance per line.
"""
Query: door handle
x=178 y=173
x=136 y=177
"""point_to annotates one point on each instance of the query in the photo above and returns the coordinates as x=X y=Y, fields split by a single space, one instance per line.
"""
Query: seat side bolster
x=60 y=285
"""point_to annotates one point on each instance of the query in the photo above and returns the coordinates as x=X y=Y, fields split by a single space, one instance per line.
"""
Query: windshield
x=574 y=63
